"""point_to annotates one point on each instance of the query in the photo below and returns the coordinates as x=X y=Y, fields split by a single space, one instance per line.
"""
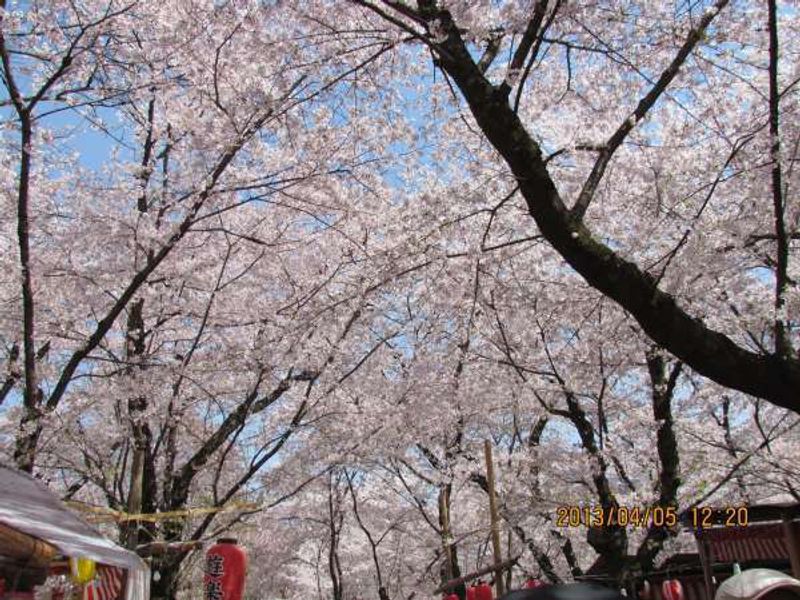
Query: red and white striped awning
x=744 y=544
x=106 y=586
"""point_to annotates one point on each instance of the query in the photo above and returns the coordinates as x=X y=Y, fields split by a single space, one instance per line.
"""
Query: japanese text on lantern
x=215 y=565
x=215 y=569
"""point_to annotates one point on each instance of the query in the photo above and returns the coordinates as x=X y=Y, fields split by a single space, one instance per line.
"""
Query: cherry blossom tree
x=301 y=286
x=587 y=114
x=226 y=239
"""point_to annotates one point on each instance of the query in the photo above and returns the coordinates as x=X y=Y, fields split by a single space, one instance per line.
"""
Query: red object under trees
x=225 y=572
x=483 y=591
x=471 y=593
x=532 y=584
x=106 y=585
x=672 y=589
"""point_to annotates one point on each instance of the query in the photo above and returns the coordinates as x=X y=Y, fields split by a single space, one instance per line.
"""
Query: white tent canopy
x=754 y=583
x=27 y=505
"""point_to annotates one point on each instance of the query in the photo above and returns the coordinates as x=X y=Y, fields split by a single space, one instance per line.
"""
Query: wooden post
x=510 y=571
x=444 y=514
x=792 y=538
x=705 y=561
x=498 y=556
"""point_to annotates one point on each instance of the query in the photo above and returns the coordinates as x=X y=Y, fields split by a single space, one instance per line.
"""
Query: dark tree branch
x=705 y=350
x=250 y=405
x=530 y=37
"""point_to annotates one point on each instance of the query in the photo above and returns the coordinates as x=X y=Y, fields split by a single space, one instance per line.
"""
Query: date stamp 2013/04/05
x=698 y=517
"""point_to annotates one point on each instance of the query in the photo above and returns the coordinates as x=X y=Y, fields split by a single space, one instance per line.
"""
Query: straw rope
x=105 y=514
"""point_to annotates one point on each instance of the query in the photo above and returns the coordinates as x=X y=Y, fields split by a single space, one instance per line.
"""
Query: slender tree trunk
x=141 y=479
x=451 y=568
x=335 y=524
x=30 y=427
x=497 y=551
x=725 y=423
x=510 y=570
x=383 y=594
x=783 y=346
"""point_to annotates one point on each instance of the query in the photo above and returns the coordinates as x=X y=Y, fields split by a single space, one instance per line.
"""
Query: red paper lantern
x=451 y=596
x=471 y=593
x=483 y=591
x=226 y=568
x=672 y=589
x=532 y=584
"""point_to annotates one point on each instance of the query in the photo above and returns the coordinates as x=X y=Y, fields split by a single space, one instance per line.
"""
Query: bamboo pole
x=498 y=552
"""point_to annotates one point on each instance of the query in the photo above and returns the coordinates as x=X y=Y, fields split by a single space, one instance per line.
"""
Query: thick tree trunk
x=142 y=487
x=165 y=586
x=663 y=382
x=168 y=564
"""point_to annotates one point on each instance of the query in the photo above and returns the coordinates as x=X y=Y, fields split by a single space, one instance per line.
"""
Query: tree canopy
x=293 y=263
